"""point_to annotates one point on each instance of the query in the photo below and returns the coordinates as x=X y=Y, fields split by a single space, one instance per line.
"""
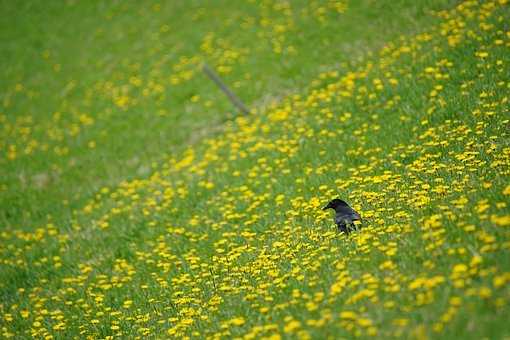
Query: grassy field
x=135 y=201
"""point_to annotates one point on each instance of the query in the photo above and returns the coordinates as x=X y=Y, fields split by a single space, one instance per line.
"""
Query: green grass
x=97 y=45
x=136 y=203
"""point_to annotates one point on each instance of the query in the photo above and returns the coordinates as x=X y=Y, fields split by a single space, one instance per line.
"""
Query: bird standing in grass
x=345 y=215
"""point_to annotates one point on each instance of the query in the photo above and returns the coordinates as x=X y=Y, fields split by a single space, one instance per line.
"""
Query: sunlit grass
x=224 y=236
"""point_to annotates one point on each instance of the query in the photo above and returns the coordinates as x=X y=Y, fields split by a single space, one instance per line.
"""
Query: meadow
x=135 y=202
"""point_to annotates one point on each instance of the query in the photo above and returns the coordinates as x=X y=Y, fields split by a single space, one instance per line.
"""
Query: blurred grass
x=154 y=211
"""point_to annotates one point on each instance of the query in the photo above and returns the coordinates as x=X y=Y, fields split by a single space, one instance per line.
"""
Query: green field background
x=137 y=202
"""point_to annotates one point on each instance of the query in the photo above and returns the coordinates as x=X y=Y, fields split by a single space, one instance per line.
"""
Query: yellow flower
x=237 y=321
x=348 y=315
x=363 y=322
x=460 y=268
x=485 y=292
x=501 y=221
x=501 y=280
x=291 y=326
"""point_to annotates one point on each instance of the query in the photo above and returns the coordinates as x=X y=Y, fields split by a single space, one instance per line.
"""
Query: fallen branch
x=217 y=80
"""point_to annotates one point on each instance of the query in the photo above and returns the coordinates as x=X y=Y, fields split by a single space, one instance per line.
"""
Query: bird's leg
x=343 y=228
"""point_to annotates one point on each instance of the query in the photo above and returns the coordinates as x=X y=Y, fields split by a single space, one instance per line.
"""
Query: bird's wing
x=351 y=214
x=341 y=218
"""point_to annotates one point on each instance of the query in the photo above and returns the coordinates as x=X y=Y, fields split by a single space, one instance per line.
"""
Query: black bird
x=345 y=215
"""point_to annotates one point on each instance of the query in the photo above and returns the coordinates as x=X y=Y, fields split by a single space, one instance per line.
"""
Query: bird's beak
x=326 y=207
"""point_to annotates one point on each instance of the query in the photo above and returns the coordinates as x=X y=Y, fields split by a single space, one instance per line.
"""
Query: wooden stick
x=217 y=80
